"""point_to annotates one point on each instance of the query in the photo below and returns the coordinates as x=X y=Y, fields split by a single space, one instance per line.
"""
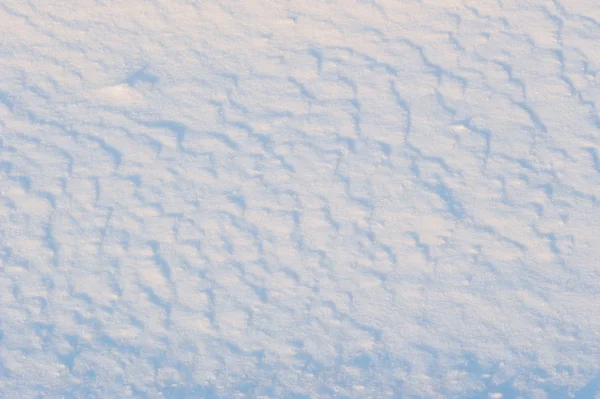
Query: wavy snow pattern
x=299 y=199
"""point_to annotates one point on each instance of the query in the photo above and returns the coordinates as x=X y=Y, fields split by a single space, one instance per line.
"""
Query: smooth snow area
x=299 y=199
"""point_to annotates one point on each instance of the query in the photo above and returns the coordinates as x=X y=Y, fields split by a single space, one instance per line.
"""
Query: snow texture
x=299 y=199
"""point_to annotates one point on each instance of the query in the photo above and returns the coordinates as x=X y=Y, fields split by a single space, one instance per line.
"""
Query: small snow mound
x=121 y=93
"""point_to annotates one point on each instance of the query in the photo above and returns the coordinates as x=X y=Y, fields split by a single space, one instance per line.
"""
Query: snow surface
x=299 y=199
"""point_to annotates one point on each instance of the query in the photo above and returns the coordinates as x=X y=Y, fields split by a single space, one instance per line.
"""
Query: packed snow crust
x=299 y=199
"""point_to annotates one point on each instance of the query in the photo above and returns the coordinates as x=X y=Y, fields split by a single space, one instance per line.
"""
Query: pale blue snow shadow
x=508 y=391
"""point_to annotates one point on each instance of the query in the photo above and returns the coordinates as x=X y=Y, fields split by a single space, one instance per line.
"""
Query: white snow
x=299 y=199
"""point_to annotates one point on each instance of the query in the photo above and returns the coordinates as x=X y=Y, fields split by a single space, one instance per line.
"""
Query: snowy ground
x=299 y=199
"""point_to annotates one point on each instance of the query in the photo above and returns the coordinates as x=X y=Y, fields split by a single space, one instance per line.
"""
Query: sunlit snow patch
x=122 y=93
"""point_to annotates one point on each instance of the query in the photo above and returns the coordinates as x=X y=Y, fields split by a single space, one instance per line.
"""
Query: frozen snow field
x=300 y=199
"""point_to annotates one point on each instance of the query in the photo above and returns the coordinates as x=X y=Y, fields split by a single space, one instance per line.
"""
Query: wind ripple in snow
x=299 y=199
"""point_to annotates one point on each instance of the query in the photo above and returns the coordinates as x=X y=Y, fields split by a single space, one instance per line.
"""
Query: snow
x=299 y=199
